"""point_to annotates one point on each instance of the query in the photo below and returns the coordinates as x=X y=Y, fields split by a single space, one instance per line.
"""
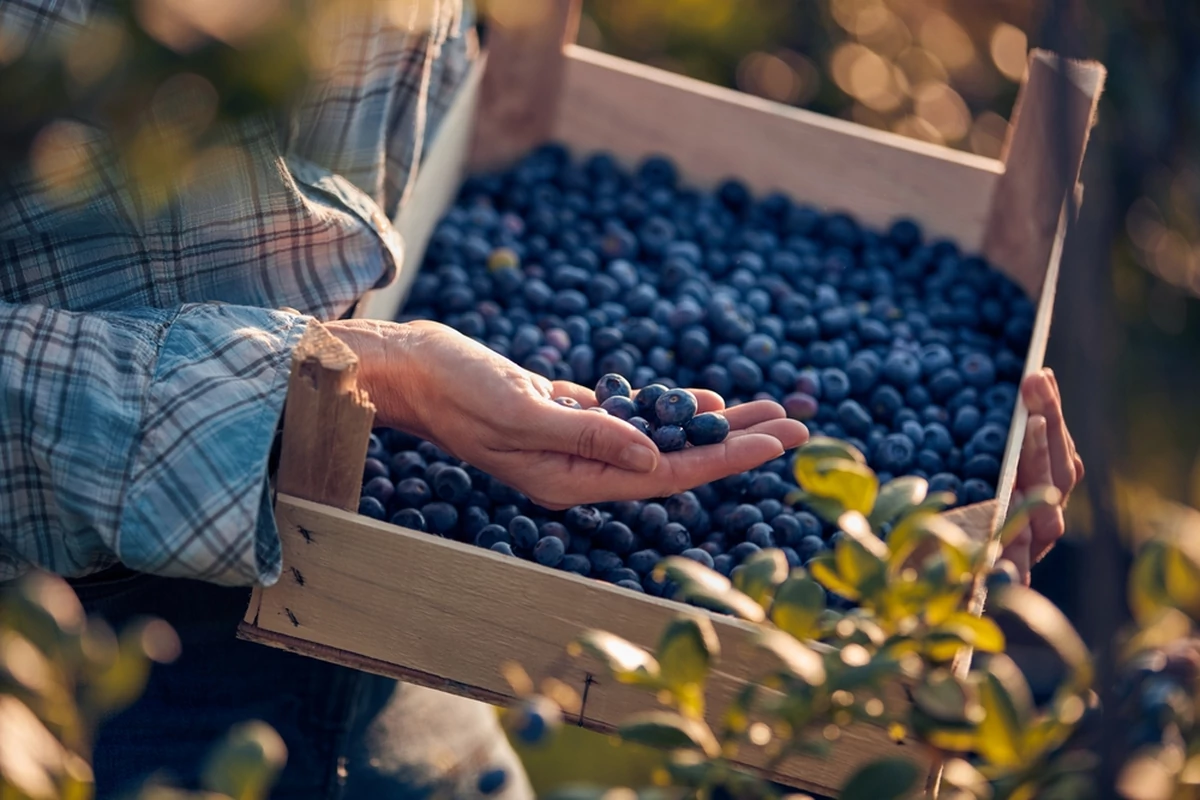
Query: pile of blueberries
x=667 y=416
x=580 y=270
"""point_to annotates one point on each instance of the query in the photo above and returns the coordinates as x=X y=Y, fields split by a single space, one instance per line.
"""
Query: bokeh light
x=1010 y=50
x=943 y=108
x=944 y=37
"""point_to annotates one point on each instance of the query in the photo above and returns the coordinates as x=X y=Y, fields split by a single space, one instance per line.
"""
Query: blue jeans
x=349 y=734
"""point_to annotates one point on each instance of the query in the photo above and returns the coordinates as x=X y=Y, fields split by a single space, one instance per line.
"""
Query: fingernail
x=638 y=458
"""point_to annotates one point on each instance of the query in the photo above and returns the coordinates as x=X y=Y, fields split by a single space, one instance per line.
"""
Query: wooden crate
x=446 y=615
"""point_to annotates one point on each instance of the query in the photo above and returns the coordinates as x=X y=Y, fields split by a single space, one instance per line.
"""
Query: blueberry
x=675 y=407
x=412 y=493
x=723 y=564
x=407 y=464
x=853 y=417
x=976 y=490
x=569 y=402
x=491 y=781
x=371 y=507
x=746 y=375
x=380 y=488
x=945 y=384
x=583 y=519
x=914 y=431
x=744 y=550
x=983 y=466
x=977 y=370
x=945 y=482
x=707 y=428
x=929 y=462
x=549 y=551
x=440 y=518
x=374 y=468
x=576 y=563
x=643 y=561
x=990 y=439
x=524 y=532
x=935 y=357
x=674 y=539
x=651 y=520
x=862 y=374
x=631 y=585
x=620 y=407
x=767 y=484
x=617 y=537
x=612 y=385
x=761 y=534
x=473 y=519
x=453 y=485
x=787 y=529
x=809 y=547
x=604 y=561
x=409 y=518
x=699 y=556
x=741 y=518
x=834 y=385
x=966 y=421
x=895 y=453
x=964 y=397
x=503 y=548
x=800 y=406
x=670 y=438
x=642 y=425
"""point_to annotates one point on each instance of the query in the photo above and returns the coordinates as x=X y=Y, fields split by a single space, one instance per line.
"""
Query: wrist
x=388 y=369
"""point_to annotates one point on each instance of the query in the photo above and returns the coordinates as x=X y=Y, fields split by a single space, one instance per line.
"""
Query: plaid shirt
x=142 y=368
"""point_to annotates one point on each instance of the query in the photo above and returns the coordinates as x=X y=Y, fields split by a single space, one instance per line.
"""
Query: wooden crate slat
x=712 y=133
x=472 y=610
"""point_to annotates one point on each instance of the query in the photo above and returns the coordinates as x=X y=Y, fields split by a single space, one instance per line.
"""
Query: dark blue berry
x=453 y=485
x=440 y=518
x=371 y=507
x=612 y=385
x=549 y=551
x=699 y=556
x=670 y=438
x=412 y=493
x=707 y=428
x=674 y=539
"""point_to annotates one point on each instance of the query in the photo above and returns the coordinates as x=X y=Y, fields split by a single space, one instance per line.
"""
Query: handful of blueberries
x=586 y=271
x=668 y=416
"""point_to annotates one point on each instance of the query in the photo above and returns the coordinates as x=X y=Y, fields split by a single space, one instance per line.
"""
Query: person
x=144 y=359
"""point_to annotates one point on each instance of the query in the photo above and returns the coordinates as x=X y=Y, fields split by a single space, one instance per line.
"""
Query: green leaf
x=1006 y=713
x=1018 y=515
x=943 y=697
x=885 y=779
x=1043 y=618
x=760 y=574
x=979 y=632
x=669 y=731
x=799 y=602
x=850 y=483
x=625 y=661
x=896 y=498
x=824 y=569
x=924 y=527
x=821 y=447
x=1148 y=583
x=246 y=764
x=859 y=565
x=800 y=660
x=709 y=589
x=686 y=650
x=824 y=507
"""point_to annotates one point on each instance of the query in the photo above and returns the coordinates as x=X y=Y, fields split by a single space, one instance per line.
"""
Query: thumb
x=595 y=436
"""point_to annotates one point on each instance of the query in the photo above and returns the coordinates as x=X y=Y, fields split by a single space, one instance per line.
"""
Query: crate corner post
x=326 y=425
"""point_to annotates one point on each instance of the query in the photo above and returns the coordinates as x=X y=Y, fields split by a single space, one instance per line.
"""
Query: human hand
x=1048 y=458
x=430 y=380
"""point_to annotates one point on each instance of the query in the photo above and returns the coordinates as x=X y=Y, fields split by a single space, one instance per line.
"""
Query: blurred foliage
x=62 y=674
x=896 y=662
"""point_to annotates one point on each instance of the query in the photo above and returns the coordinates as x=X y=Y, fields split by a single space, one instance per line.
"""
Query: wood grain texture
x=1042 y=159
x=447 y=615
x=713 y=133
x=440 y=175
x=326 y=423
x=524 y=79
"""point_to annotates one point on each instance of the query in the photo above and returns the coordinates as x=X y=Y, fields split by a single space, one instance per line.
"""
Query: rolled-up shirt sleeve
x=142 y=437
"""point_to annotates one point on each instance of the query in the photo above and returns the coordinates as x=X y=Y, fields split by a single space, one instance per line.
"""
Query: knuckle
x=589 y=441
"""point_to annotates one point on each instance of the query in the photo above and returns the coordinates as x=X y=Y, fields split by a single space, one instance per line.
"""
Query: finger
x=790 y=433
x=1078 y=461
x=1019 y=554
x=581 y=394
x=1041 y=399
x=749 y=414
x=592 y=437
x=1046 y=523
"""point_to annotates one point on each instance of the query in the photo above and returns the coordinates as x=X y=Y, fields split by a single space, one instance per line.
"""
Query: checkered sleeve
x=141 y=437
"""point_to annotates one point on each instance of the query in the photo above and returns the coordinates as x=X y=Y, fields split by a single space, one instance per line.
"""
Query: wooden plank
x=327 y=422
x=713 y=133
x=458 y=613
x=524 y=79
x=1042 y=156
x=437 y=183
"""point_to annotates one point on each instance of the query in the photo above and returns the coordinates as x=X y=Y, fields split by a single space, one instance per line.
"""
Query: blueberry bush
x=636 y=283
x=61 y=674
x=823 y=669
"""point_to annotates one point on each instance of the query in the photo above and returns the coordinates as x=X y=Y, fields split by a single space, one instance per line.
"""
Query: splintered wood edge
x=521 y=88
x=326 y=423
